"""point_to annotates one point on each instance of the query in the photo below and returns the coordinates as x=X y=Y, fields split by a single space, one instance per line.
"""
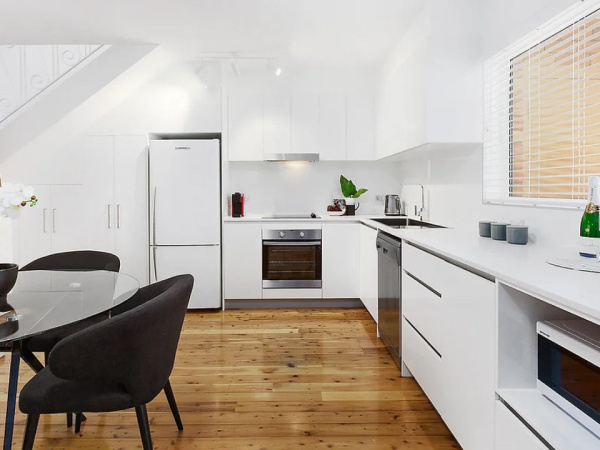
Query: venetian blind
x=542 y=113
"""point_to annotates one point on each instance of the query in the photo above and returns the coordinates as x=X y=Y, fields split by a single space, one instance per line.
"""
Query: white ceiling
x=342 y=33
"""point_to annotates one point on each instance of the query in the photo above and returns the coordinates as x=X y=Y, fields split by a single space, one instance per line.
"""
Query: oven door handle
x=293 y=243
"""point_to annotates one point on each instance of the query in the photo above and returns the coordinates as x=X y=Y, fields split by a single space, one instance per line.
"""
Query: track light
x=273 y=68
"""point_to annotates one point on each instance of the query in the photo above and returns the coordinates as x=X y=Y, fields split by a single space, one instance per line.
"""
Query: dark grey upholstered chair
x=120 y=363
x=76 y=260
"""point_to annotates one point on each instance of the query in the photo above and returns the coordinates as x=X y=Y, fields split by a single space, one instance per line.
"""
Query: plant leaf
x=360 y=192
x=348 y=188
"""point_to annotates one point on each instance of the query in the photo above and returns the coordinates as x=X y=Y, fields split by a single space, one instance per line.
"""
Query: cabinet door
x=97 y=213
x=242 y=261
x=67 y=222
x=32 y=230
x=131 y=205
x=245 y=127
x=332 y=127
x=468 y=352
x=277 y=125
x=368 y=269
x=360 y=116
x=305 y=124
x=511 y=434
x=341 y=255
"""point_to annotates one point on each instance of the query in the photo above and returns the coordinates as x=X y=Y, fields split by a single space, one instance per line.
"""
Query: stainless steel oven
x=291 y=259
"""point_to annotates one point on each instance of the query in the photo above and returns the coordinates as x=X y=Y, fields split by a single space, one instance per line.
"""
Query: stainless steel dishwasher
x=389 y=260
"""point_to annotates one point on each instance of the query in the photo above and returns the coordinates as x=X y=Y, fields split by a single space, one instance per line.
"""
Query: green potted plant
x=351 y=193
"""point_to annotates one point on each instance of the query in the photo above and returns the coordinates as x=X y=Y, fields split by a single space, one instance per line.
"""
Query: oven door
x=291 y=264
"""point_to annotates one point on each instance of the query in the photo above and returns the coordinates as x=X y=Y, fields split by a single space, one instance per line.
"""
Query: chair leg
x=30 y=429
x=173 y=405
x=69 y=420
x=78 y=419
x=142 y=418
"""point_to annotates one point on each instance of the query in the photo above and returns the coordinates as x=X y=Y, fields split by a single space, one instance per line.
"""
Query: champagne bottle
x=589 y=229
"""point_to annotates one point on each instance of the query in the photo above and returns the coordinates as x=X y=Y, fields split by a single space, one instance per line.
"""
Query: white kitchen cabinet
x=242 y=261
x=341 y=252
x=332 y=127
x=305 y=124
x=368 y=269
x=277 y=123
x=53 y=225
x=131 y=206
x=115 y=211
x=245 y=127
x=450 y=312
x=106 y=212
x=511 y=433
x=468 y=356
x=360 y=124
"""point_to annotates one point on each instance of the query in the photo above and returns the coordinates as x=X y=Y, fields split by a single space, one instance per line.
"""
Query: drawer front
x=423 y=363
x=423 y=308
x=424 y=266
x=511 y=434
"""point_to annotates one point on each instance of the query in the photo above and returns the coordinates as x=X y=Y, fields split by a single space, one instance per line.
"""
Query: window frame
x=497 y=140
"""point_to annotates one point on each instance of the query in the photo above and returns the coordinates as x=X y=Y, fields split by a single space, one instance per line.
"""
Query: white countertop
x=521 y=266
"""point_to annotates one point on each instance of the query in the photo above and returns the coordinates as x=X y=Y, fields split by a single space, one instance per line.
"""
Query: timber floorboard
x=267 y=379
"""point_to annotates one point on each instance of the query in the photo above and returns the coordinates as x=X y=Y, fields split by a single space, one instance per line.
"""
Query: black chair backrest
x=135 y=349
x=77 y=260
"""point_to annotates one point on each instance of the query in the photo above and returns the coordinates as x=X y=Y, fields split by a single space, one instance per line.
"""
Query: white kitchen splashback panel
x=279 y=188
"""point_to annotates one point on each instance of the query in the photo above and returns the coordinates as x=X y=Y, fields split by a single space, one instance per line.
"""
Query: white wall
x=309 y=187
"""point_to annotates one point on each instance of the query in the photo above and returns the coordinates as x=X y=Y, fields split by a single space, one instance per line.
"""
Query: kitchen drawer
x=427 y=268
x=424 y=364
x=511 y=433
x=423 y=308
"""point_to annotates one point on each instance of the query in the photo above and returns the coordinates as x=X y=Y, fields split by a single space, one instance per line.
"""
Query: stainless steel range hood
x=291 y=157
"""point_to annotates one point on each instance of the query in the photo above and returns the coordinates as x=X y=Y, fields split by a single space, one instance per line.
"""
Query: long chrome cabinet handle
x=54 y=220
x=155 y=268
x=154 y=217
x=44 y=218
x=118 y=216
x=108 y=215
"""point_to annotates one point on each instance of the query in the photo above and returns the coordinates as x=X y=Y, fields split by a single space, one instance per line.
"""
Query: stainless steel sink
x=405 y=222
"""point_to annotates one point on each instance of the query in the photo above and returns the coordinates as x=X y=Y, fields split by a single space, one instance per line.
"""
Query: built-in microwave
x=569 y=368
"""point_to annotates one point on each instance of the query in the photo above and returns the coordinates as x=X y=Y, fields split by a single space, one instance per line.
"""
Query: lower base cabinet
x=454 y=362
x=242 y=261
x=511 y=433
x=368 y=270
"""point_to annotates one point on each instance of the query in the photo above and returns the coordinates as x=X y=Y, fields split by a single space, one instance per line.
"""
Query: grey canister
x=517 y=234
x=498 y=231
x=485 y=229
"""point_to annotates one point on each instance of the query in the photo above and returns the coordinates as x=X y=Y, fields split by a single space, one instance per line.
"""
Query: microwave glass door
x=570 y=376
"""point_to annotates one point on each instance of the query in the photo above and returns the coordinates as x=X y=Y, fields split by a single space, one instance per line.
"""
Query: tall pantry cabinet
x=103 y=207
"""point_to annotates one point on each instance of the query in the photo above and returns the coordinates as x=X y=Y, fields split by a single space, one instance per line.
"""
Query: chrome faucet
x=419 y=211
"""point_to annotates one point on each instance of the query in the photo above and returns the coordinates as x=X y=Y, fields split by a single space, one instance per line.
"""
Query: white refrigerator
x=185 y=215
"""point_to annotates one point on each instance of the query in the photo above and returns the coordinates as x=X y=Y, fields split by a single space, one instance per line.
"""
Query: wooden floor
x=269 y=379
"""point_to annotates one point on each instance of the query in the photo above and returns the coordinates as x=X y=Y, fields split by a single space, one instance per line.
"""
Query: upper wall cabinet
x=338 y=126
x=431 y=91
x=245 y=127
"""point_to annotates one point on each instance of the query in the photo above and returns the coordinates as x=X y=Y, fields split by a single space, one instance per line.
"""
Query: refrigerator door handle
x=154 y=218
x=154 y=260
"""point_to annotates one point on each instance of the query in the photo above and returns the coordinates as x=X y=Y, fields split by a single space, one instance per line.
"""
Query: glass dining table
x=42 y=300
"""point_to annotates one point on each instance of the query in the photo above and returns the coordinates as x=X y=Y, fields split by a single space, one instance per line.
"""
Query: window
x=542 y=113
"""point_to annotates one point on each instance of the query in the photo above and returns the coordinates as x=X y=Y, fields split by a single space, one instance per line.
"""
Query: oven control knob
x=282 y=234
x=302 y=234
